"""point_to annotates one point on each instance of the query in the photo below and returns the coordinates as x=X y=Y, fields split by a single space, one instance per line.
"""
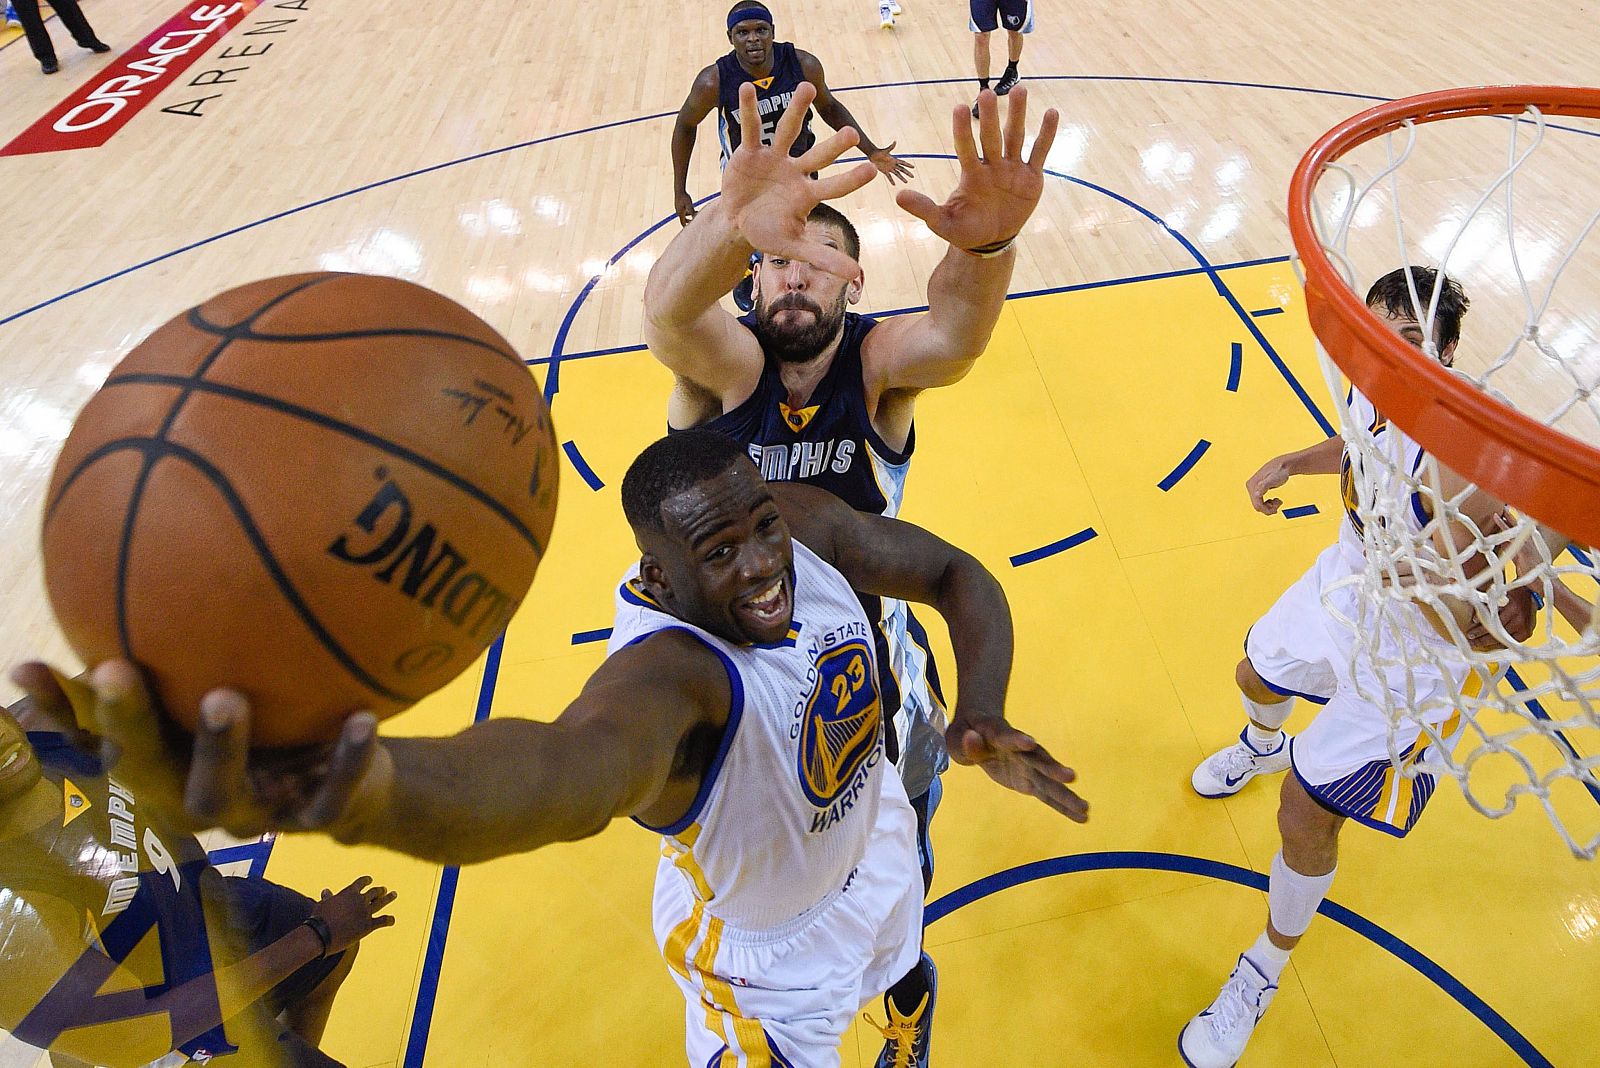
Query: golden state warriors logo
x=839 y=729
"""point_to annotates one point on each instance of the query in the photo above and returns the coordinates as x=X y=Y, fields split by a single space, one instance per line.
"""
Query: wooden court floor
x=515 y=157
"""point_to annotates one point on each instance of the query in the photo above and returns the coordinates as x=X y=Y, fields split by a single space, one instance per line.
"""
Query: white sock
x=1292 y=898
x=1263 y=742
x=1271 y=716
x=1268 y=957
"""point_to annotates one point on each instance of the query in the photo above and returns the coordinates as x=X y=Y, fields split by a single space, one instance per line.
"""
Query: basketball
x=329 y=491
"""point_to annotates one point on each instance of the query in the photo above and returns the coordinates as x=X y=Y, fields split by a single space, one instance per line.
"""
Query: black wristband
x=989 y=251
x=319 y=927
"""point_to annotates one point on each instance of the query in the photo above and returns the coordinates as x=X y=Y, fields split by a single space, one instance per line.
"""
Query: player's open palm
x=218 y=780
x=353 y=913
x=998 y=190
x=768 y=194
x=1017 y=762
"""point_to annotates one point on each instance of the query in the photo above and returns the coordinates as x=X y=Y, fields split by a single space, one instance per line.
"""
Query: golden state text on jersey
x=838 y=724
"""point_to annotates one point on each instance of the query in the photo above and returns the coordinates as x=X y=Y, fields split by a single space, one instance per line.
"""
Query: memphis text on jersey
x=800 y=460
x=838 y=724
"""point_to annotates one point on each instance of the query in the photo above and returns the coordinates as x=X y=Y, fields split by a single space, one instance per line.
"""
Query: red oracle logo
x=91 y=115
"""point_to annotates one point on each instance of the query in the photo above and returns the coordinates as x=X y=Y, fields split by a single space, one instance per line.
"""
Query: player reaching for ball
x=738 y=714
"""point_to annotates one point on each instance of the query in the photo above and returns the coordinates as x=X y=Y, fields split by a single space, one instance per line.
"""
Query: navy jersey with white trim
x=126 y=878
x=773 y=95
x=830 y=442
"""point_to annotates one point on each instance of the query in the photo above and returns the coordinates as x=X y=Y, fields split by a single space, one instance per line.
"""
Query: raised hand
x=891 y=166
x=1017 y=762
x=222 y=783
x=352 y=913
x=767 y=194
x=998 y=190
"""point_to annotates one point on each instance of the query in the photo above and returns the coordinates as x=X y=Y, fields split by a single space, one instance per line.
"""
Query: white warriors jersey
x=1397 y=449
x=791 y=796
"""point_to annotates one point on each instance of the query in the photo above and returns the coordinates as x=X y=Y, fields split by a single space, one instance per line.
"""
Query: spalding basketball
x=330 y=491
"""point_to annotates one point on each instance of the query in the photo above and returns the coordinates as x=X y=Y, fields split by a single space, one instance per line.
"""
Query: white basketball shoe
x=894 y=7
x=886 y=13
x=1216 y=1038
x=1224 y=773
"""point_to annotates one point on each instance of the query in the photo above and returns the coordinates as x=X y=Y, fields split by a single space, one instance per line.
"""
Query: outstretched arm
x=696 y=106
x=1323 y=458
x=500 y=787
x=838 y=116
x=896 y=559
x=766 y=196
x=994 y=199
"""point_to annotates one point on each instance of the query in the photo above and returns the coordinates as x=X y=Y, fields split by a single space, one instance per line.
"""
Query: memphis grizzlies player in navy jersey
x=123 y=943
x=824 y=396
x=776 y=69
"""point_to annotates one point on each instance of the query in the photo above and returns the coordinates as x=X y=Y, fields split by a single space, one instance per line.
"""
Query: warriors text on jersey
x=830 y=443
x=773 y=96
x=790 y=798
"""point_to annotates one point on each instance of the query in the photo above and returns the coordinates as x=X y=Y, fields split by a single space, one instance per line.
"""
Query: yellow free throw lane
x=1126 y=644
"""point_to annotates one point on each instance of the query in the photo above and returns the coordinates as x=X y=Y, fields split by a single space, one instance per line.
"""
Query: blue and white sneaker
x=1216 y=1038
x=1224 y=773
x=11 y=16
x=908 y=1038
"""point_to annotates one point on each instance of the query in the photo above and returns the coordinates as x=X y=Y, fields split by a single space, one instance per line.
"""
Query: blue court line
x=888 y=313
x=1235 y=364
x=1204 y=266
x=444 y=905
x=584 y=637
x=1266 y=311
x=1213 y=869
x=552 y=382
x=1539 y=713
x=580 y=465
x=1184 y=465
x=1069 y=542
x=331 y=198
x=488 y=153
x=1296 y=513
x=1223 y=291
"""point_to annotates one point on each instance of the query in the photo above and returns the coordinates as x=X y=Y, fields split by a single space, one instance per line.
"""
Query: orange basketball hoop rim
x=1519 y=460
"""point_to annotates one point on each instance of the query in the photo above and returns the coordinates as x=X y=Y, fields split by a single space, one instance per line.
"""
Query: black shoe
x=744 y=295
x=908 y=1038
x=1008 y=81
x=974 y=109
x=49 y=66
x=97 y=46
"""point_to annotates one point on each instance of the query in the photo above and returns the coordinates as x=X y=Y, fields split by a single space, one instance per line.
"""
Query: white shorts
x=785 y=999
x=1299 y=649
x=1296 y=646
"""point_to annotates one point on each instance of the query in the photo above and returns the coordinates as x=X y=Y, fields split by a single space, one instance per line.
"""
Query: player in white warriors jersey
x=738 y=714
x=1339 y=764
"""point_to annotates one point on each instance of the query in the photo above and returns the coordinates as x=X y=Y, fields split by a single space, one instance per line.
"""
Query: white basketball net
x=1504 y=207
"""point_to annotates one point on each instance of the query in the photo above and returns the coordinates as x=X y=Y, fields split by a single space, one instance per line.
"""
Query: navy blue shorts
x=264 y=912
x=988 y=15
